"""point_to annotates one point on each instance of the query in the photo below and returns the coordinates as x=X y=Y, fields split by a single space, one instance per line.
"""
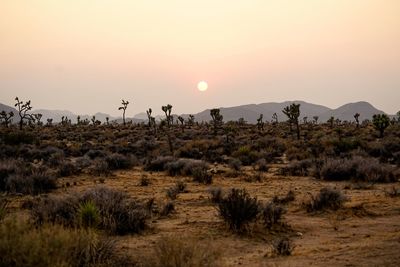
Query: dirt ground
x=366 y=232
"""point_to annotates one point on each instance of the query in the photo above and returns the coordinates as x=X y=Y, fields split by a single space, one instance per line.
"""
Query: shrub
x=118 y=161
x=100 y=168
x=38 y=182
x=67 y=168
x=235 y=164
x=328 y=198
x=52 y=245
x=262 y=165
x=297 y=168
x=283 y=247
x=54 y=209
x=201 y=175
x=88 y=215
x=272 y=214
x=184 y=251
x=290 y=196
x=144 y=180
x=167 y=209
x=18 y=137
x=216 y=194
x=118 y=213
x=357 y=169
x=3 y=207
x=238 y=209
x=158 y=164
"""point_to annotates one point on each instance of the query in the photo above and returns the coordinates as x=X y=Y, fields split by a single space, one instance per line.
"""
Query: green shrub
x=88 y=215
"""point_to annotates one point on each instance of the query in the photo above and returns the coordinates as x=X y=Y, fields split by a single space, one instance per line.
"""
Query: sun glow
x=202 y=86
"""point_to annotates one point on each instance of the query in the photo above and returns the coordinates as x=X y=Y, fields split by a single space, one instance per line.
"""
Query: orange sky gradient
x=85 y=55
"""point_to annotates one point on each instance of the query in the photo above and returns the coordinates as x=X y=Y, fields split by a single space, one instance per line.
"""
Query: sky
x=87 y=55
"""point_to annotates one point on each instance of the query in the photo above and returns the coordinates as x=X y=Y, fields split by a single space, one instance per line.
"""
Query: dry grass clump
x=21 y=244
x=326 y=199
x=183 y=252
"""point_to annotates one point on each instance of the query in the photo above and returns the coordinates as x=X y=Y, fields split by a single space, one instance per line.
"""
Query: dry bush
x=216 y=194
x=297 y=168
x=290 y=196
x=272 y=215
x=358 y=169
x=37 y=182
x=238 y=209
x=328 y=198
x=282 y=247
x=158 y=164
x=118 y=213
x=184 y=251
x=24 y=245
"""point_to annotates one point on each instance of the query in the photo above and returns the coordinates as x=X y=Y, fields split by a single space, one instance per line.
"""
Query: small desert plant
x=118 y=161
x=184 y=251
x=158 y=164
x=167 y=208
x=216 y=194
x=297 y=168
x=3 y=207
x=235 y=164
x=290 y=196
x=238 y=209
x=144 y=180
x=201 y=175
x=88 y=215
x=283 y=247
x=272 y=214
x=328 y=198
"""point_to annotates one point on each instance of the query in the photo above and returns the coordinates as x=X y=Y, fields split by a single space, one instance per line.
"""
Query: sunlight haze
x=85 y=56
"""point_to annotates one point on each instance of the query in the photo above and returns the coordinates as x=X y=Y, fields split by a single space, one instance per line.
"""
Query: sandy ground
x=366 y=232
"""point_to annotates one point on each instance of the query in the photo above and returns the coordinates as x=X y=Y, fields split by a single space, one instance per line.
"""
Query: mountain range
x=249 y=113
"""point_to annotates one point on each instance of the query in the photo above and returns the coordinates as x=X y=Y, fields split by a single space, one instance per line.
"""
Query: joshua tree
x=305 y=120
x=6 y=118
x=182 y=121
x=275 y=118
x=49 y=122
x=356 y=116
x=216 y=118
x=381 y=122
x=190 y=120
x=123 y=107
x=315 y=119
x=38 y=117
x=293 y=114
x=331 y=121
x=107 y=120
x=398 y=116
x=167 y=110
x=23 y=109
x=149 y=115
x=78 y=120
x=260 y=123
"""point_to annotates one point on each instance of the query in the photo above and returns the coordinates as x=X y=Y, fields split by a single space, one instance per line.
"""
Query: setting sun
x=202 y=86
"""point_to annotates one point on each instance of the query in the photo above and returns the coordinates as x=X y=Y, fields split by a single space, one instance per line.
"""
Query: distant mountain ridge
x=249 y=113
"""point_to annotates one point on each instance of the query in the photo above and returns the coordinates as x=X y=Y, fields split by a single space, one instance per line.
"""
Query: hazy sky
x=85 y=55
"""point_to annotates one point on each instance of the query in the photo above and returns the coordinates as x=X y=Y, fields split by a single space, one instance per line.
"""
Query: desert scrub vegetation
x=172 y=251
x=101 y=207
x=358 y=169
x=327 y=199
x=238 y=209
x=22 y=244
